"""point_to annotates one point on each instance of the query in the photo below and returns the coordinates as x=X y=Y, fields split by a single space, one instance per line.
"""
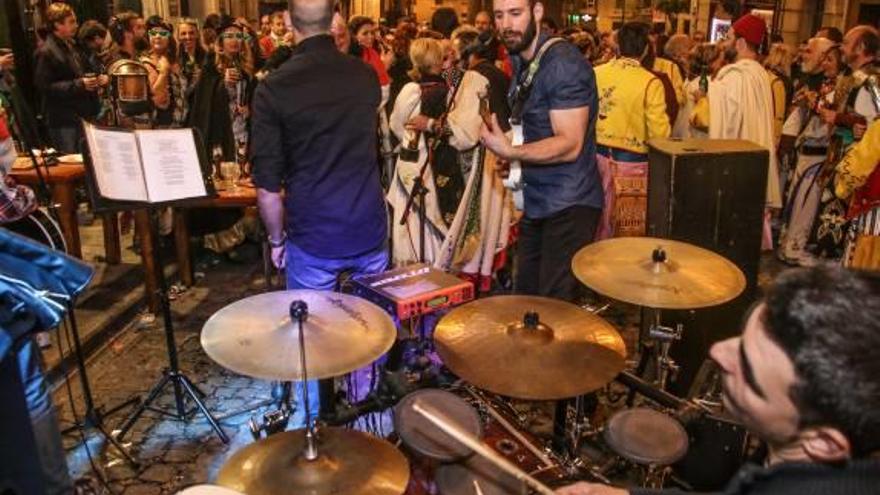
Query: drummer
x=804 y=378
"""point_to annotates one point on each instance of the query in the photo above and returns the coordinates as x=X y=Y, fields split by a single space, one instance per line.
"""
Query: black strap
x=524 y=88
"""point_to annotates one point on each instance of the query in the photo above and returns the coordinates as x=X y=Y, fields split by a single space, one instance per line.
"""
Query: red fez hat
x=752 y=28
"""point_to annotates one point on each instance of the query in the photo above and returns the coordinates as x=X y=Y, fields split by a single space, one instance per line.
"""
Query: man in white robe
x=741 y=101
x=811 y=136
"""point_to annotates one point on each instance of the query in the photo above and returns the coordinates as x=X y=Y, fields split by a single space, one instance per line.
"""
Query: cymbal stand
x=299 y=312
x=664 y=336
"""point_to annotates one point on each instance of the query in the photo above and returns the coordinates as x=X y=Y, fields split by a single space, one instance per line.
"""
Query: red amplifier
x=413 y=290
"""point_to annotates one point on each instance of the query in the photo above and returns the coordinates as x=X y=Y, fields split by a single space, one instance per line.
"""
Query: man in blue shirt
x=562 y=190
x=314 y=133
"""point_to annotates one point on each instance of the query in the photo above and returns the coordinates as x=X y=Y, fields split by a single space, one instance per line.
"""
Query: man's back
x=314 y=128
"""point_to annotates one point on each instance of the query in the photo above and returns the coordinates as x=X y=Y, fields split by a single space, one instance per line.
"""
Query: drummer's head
x=805 y=374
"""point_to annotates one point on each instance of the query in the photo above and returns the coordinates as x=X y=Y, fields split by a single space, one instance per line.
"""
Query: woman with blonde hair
x=704 y=60
x=778 y=65
x=424 y=99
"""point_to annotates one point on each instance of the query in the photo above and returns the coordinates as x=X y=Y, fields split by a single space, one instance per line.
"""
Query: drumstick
x=477 y=489
x=448 y=426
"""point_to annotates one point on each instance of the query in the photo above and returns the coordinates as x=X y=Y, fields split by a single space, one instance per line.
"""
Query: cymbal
x=256 y=336
x=683 y=276
x=349 y=461
x=530 y=347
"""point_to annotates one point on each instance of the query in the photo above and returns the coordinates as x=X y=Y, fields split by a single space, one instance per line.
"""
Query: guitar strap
x=524 y=88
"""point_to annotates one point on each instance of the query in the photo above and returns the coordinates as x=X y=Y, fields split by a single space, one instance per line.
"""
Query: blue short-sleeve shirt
x=564 y=80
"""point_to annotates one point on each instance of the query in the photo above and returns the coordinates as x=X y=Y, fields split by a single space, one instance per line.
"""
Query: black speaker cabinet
x=709 y=193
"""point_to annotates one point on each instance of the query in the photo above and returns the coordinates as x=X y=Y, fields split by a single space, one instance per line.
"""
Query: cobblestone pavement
x=172 y=454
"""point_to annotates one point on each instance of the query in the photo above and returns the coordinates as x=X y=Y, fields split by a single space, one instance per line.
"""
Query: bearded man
x=811 y=135
x=557 y=109
x=741 y=102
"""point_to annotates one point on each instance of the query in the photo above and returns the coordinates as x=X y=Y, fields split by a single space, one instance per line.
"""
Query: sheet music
x=116 y=163
x=171 y=164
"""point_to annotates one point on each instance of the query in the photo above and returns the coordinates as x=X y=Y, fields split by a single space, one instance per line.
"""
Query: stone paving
x=172 y=454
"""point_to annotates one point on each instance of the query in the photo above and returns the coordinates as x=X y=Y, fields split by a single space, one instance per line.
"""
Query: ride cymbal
x=658 y=273
x=349 y=462
x=530 y=347
x=256 y=336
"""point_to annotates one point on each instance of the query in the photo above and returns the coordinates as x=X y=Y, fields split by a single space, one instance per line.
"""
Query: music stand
x=182 y=386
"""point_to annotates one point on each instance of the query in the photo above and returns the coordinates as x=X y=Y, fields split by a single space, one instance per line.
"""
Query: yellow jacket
x=670 y=68
x=632 y=106
x=858 y=163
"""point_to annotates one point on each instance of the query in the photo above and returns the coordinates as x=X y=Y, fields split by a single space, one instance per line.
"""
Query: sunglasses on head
x=159 y=32
x=230 y=36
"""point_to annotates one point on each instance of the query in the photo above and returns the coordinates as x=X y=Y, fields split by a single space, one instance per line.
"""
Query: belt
x=620 y=155
x=813 y=150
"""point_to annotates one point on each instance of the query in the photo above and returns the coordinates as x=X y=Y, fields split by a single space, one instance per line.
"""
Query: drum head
x=423 y=437
x=646 y=436
x=459 y=478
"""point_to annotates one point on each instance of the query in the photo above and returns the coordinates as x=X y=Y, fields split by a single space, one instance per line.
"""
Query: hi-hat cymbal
x=530 y=347
x=349 y=462
x=256 y=336
x=658 y=273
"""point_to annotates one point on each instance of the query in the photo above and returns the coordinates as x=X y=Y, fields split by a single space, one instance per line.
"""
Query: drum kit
x=464 y=437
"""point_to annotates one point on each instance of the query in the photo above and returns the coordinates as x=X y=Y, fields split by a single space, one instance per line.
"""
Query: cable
x=81 y=425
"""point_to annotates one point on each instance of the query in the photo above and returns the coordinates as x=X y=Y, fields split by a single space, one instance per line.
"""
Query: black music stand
x=181 y=384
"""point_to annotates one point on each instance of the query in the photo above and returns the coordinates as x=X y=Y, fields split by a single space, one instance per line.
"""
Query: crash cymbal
x=530 y=347
x=349 y=462
x=256 y=336
x=658 y=273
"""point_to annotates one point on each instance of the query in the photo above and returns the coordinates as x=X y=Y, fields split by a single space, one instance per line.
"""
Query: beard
x=141 y=45
x=517 y=41
x=730 y=54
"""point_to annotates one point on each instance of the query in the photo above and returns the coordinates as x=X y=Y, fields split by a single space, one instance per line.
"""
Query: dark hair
x=444 y=21
x=155 y=21
x=827 y=320
x=357 y=22
x=484 y=45
x=869 y=37
x=122 y=23
x=90 y=30
x=732 y=7
x=632 y=39
x=832 y=33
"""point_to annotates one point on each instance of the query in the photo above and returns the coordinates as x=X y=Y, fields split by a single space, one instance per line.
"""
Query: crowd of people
x=505 y=132
x=807 y=105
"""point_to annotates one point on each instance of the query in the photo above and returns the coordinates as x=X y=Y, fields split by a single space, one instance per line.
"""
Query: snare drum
x=423 y=437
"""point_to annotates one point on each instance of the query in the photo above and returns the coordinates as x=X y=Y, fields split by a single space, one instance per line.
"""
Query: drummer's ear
x=825 y=444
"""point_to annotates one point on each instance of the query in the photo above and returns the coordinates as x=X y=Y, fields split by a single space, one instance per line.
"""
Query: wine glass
x=231 y=173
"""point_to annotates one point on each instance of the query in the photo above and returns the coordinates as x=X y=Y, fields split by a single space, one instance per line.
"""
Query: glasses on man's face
x=232 y=36
x=161 y=33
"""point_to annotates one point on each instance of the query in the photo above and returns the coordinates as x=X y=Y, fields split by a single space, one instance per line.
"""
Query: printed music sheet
x=117 y=163
x=171 y=164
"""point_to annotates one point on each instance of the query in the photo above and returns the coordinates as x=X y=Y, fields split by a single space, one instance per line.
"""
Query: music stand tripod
x=181 y=384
